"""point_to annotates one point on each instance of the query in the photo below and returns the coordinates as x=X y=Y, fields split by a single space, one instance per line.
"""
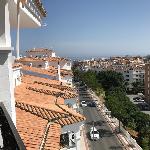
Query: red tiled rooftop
x=32 y=130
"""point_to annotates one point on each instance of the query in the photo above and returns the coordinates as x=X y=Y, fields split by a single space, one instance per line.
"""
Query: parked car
x=92 y=104
x=83 y=104
x=94 y=134
x=136 y=98
x=141 y=100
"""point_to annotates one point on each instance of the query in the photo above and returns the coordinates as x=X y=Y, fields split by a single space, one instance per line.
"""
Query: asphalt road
x=107 y=141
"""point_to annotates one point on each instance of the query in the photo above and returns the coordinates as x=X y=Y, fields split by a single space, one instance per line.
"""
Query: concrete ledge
x=6 y=48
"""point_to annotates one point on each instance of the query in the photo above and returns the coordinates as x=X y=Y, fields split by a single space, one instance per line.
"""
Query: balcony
x=9 y=136
x=31 y=14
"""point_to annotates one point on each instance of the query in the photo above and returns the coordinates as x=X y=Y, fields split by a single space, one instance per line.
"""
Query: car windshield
x=94 y=132
x=83 y=102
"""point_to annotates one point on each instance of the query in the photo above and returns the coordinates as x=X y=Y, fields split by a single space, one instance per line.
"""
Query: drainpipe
x=58 y=71
x=18 y=30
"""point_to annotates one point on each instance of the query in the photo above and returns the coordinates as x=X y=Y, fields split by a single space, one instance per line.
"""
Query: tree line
x=113 y=85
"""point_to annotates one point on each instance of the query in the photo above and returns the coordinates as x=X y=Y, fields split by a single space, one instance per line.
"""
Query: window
x=68 y=64
x=40 y=66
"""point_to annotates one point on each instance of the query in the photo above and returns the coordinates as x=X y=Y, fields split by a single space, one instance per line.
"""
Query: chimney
x=58 y=72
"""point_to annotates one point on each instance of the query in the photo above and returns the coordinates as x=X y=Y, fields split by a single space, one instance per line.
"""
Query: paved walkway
x=83 y=142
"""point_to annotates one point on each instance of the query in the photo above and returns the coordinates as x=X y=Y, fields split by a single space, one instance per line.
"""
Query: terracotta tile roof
x=53 y=137
x=31 y=79
x=38 y=70
x=29 y=59
x=36 y=108
x=52 y=87
x=61 y=87
x=50 y=59
x=53 y=93
x=22 y=94
x=16 y=65
x=44 y=111
x=32 y=130
x=60 y=114
x=51 y=71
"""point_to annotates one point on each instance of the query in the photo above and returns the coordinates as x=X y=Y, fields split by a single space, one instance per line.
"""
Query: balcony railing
x=37 y=10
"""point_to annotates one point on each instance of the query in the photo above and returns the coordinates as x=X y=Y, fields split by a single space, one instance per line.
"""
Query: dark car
x=92 y=104
x=136 y=98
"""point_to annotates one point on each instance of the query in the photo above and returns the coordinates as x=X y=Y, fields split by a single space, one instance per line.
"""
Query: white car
x=83 y=104
x=94 y=134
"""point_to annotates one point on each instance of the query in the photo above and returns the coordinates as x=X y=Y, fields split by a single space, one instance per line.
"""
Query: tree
x=137 y=87
x=110 y=80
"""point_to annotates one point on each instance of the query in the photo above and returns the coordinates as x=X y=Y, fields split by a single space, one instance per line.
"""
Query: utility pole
x=93 y=130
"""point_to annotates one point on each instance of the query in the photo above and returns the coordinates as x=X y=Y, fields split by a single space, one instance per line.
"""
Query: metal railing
x=30 y=6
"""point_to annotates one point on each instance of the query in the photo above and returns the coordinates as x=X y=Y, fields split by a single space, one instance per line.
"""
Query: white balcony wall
x=16 y=77
x=29 y=15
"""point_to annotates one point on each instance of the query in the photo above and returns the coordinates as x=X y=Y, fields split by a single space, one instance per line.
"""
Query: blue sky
x=92 y=28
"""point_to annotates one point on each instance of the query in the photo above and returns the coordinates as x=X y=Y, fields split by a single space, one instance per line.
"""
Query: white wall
x=74 y=128
x=72 y=102
x=16 y=77
x=39 y=54
x=53 y=54
x=37 y=64
x=133 y=76
x=67 y=79
x=63 y=64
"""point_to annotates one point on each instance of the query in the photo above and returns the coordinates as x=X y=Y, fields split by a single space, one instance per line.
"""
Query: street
x=108 y=140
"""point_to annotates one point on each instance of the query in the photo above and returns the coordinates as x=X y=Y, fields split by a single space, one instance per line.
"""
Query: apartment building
x=40 y=53
x=147 y=82
x=135 y=74
x=29 y=15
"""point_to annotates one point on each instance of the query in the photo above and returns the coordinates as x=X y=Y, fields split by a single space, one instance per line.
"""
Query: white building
x=40 y=53
x=29 y=15
x=134 y=75
x=16 y=75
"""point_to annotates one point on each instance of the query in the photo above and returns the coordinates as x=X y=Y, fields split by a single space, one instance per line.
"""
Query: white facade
x=67 y=79
x=37 y=64
x=6 y=73
x=136 y=75
x=72 y=102
x=40 y=53
x=76 y=129
x=16 y=77
x=30 y=16
x=63 y=64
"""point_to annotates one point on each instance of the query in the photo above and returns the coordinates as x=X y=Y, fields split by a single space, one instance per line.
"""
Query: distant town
x=48 y=102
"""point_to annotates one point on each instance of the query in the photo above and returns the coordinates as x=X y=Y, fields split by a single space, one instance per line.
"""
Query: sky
x=92 y=28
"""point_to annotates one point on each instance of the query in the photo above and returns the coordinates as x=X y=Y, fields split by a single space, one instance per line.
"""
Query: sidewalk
x=83 y=142
x=123 y=139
